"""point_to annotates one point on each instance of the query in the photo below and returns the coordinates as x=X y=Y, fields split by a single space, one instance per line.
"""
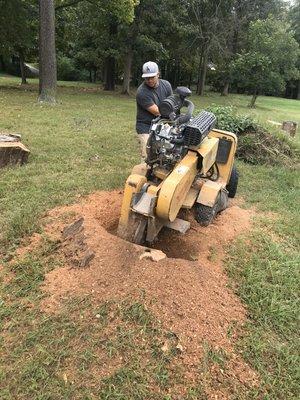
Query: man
x=149 y=95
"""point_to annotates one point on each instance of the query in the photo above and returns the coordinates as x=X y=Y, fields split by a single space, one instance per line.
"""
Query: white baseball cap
x=150 y=69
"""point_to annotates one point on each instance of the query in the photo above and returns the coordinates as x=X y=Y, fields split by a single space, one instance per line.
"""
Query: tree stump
x=290 y=127
x=12 y=151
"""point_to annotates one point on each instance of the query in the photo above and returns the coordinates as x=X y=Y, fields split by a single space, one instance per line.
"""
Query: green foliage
x=18 y=26
x=229 y=120
x=255 y=144
x=268 y=60
x=67 y=71
x=294 y=16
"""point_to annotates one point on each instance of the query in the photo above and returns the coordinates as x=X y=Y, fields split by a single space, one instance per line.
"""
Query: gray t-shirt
x=146 y=97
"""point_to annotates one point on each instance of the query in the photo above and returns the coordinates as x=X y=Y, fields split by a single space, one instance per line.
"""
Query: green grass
x=61 y=356
x=265 y=269
x=84 y=143
x=64 y=355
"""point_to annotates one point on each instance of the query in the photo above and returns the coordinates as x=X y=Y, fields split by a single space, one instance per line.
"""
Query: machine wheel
x=205 y=214
x=233 y=182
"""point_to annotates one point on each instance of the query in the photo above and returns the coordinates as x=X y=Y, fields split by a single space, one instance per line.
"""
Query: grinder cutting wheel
x=189 y=166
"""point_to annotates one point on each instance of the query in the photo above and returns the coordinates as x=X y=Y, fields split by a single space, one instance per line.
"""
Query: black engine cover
x=199 y=127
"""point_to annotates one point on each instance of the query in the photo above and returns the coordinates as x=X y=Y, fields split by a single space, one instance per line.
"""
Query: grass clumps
x=255 y=144
x=268 y=283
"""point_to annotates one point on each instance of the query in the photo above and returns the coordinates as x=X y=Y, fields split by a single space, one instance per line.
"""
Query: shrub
x=228 y=120
x=67 y=71
x=255 y=144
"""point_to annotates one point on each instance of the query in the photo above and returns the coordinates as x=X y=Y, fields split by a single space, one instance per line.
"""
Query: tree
x=235 y=28
x=208 y=23
x=17 y=30
x=153 y=31
x=294 y=16
x=94 y=34
x=47 y=52
x=269 y=59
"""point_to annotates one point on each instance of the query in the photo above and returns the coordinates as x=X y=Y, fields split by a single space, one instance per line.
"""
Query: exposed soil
x=187 y=291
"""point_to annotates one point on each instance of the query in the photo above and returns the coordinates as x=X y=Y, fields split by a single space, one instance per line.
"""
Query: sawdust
x=187 y=291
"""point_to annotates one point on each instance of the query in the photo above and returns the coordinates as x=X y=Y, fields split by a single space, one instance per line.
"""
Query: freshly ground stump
x=12 y=151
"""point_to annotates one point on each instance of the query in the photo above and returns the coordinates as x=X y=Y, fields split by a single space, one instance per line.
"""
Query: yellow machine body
x=230 y=139
x=176 y=186
x=159 y=203
x=208 y=152
x=133 y=185
x=210 y=189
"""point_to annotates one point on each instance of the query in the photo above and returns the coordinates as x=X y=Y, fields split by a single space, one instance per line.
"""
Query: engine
x=165 y=146
x=172 y=134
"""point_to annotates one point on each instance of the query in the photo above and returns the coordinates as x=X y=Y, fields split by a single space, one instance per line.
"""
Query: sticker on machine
x=182 y=169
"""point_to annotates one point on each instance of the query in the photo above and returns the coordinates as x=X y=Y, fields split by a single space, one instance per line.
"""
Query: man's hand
x=154 y=110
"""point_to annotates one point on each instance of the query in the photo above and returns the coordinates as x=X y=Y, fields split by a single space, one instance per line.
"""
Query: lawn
x=86 y=143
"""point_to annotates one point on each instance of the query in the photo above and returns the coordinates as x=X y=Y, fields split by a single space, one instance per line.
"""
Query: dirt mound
x=187 y=291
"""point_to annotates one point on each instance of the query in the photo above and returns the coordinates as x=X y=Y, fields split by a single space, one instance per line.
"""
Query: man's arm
x=153 y=110
x=147 y=103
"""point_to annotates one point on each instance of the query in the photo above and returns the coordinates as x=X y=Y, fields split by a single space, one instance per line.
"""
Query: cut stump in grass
x=12 y=151
x=290 y=127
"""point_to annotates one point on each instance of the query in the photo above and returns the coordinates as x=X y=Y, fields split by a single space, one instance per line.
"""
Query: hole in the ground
x=172 y=243
x=177 y=245
x=111 y=224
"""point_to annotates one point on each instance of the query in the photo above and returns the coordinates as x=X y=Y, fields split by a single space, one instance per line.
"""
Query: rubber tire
x=233 y=182
x=204 y=214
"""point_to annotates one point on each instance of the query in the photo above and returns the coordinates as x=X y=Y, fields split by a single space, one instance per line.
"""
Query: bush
x=255 y=144
x=13 y=69
x=67 y=71
x=228 y=120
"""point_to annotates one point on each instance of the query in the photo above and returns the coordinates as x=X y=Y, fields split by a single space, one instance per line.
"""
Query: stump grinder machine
x=189 y=165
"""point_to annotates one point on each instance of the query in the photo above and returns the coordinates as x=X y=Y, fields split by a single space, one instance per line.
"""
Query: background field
x=85 y=143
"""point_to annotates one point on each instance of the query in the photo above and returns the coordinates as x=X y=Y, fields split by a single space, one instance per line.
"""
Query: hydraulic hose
x=182 y=119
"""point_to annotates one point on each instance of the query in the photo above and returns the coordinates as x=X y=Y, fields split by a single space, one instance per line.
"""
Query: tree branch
x=70 y=4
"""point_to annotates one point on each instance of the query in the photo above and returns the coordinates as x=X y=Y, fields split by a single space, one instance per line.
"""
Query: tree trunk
x=199 y=74
x=110 y=63
x=90 y=72
x=225 y=90
x=22 y=67
x=2 y=63
x=176 y=75
x=47 y=53
x=298 y=93
x=190 y=80
x=203 y=73
x=166 y=71
x=253 y=100
x=127 y=72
